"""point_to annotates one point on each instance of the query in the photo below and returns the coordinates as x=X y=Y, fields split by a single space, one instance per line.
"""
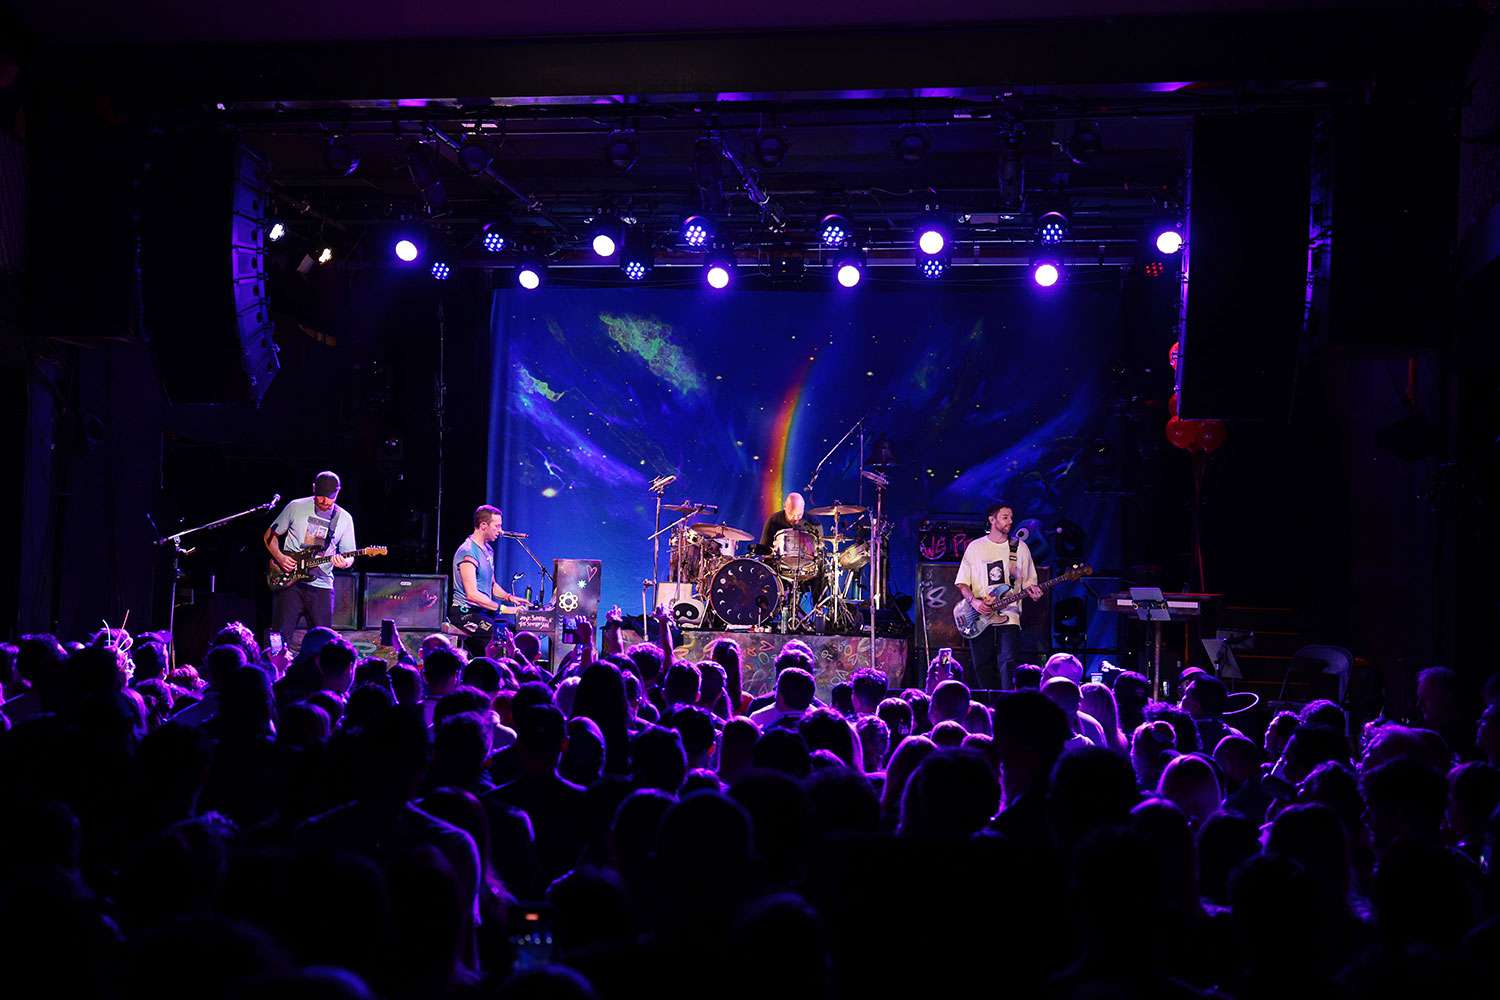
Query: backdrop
x=980 y=394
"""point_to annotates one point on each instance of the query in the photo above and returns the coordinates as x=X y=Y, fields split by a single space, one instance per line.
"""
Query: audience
x=480 y=827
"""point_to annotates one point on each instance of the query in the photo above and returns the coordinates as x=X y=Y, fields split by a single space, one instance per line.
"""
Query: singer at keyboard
x=477 y=594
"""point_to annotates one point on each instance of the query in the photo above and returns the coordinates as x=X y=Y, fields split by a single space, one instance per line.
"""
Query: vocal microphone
x=1021 y=534
x=876 y=478
x=661 y=482
x=514 y=534
x=275 y=499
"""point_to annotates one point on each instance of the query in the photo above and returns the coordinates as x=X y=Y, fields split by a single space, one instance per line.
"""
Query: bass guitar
x=308 y=561
x=971 y=619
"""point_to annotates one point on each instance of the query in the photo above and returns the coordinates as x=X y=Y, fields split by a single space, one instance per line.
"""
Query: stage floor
x=837 y=656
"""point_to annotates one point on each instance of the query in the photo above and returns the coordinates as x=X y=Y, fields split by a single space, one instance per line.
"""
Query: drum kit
x=712 y=582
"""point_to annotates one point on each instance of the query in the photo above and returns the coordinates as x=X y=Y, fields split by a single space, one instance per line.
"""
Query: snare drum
x=855 y=557
x=795 y=552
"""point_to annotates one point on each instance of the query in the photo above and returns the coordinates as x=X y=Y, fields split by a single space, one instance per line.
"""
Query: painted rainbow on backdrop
x=779 y=447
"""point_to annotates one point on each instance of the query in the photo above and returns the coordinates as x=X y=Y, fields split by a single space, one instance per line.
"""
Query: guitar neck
x=1015 y=597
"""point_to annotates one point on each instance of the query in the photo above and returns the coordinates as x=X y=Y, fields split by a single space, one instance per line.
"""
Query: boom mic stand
x=543 y=575
x=177 y=552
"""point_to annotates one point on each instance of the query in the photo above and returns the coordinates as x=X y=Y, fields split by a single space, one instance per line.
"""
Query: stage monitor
x=412 y=601
x=345 y=601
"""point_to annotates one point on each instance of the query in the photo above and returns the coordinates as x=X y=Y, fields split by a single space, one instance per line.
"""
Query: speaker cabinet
x=412 y=601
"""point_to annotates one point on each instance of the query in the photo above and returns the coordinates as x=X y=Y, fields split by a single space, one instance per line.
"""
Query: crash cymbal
x=688 y=508
x=722 y=531
x=836 y=510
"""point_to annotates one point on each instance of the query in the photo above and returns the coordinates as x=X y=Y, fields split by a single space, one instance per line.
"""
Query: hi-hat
x=722 y=531
x=836 y=510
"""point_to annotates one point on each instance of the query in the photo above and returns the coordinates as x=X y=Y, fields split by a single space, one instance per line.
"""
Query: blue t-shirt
x=484 y=572
x=302 y=527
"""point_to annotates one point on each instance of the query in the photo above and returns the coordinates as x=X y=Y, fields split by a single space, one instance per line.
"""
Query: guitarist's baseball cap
x=326 y=485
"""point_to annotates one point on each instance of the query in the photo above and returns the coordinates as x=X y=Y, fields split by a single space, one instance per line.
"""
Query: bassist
x=992 y=566
x=314 y=522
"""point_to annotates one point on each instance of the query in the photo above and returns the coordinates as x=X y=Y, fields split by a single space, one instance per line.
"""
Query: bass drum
x=745 y=593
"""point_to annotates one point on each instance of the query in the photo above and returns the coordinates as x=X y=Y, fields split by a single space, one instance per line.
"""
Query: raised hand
x=615 y=616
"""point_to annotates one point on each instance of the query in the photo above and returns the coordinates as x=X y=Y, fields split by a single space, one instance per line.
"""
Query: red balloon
x=1172 y=406
x=1182 y=433
x=1211 y=435
x=1173 y=352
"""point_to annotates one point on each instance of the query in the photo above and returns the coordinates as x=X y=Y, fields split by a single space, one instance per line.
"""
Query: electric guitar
x=308 y=560
x=971 y=619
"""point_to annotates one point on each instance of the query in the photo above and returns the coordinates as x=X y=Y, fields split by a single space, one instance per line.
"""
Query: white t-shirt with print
x=987 y=567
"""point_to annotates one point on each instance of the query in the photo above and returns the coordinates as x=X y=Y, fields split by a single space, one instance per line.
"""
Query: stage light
x=339 y=157
x=718 y=269
x=605 y=234
x=1168 y=241
x=1046 y=273
x=833 y=230
x=1085 y=143
x=931 y=241
x=849 y=267
x=440 y=270
x=475 y=156
x=1154 y=269
x=932 y=267
x=912 y=146
x=604 y=245
x=326 y=255
x=637 y=259
x=406 y=250
x=622 y=150
x=494 y=238
x=770 y=150
x=529 y=275
x=697 y=230
x=1051 y=228
x=276 y=232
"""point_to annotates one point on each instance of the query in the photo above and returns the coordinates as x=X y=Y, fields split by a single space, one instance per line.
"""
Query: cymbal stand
x=877 y=551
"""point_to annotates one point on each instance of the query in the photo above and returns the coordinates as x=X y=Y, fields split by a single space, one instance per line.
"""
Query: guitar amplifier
x=413 y=601
x=345 y=601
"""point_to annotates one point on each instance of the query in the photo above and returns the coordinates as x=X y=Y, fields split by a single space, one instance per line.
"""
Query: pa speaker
x=204 y=214
x=1247 y=264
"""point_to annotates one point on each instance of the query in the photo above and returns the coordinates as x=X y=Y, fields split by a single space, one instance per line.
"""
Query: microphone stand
x=819 y=467
x=177 y=552
x=541 y=572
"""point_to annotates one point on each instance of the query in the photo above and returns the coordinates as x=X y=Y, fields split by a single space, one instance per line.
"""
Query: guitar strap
x=333 y=524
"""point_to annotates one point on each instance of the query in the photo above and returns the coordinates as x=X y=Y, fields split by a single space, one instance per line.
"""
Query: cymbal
x=836 y=510
x=722 y=531
x=688 y=508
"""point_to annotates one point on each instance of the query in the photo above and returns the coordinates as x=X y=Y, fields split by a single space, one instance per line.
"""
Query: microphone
x=275 y=499
x=514 y=534
x=1021 y=534
x=876 y=478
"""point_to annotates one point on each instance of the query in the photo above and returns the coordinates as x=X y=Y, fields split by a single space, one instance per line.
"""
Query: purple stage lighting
x=849 y=267
x=1045 y=274
x=604 y=245
x=277 y=232
x=635 y=270
x=833 y=230
x=931 y=241
x=406 y=250
x=932 y=267
x=1051 y=229
x=494 y=239
x=440 y=270
x=849 y=275
x=697 y=230
x=1168 y=241
x=529 y=276
x=717 y=276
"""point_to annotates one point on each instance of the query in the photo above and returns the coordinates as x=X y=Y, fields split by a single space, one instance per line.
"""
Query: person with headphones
x=314 y=522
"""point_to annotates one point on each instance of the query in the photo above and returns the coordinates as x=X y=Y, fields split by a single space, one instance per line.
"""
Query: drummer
x=792 y=516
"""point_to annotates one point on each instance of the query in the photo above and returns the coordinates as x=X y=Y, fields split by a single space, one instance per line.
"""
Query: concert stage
x=837 y=656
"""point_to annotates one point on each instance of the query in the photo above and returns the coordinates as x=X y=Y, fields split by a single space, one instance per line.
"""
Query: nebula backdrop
x=982 y=394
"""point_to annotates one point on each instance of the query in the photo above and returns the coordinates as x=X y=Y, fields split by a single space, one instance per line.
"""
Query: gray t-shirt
x=303 y=527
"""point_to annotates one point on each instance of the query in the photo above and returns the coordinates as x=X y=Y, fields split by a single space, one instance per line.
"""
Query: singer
x=477 y=594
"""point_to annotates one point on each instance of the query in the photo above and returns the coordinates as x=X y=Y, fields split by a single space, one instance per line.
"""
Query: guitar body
x=308 y=562
x=971 y=621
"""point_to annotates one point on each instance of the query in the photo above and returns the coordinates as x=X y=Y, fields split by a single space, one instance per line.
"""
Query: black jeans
x=301 y=600
x=993 y=653
x=479 y=627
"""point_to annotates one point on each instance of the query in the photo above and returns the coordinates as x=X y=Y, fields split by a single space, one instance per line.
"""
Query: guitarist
x=993 y=565
x=314 y=522
x=476 y=592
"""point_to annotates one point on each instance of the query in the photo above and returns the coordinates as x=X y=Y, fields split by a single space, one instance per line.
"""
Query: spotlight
x=622 y=150
x=326 y=255
x=406 y=250
x=849 y=267
x=833 y=230
x=604 y=235
x=440 y=270
x=718 y=269
x=339 y=157
x=697 y=230
x=932 y=234
x=637 y=260
x=1085 y=143
x=276 y=232
x=494 y=238
x=1154 y=269
x=1046 y=273
x=1168 y=241
x=475 y=156
x=912 y=146
x=1051 y=229
x=770 y=150
x=529 y=275
x=932 y=267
